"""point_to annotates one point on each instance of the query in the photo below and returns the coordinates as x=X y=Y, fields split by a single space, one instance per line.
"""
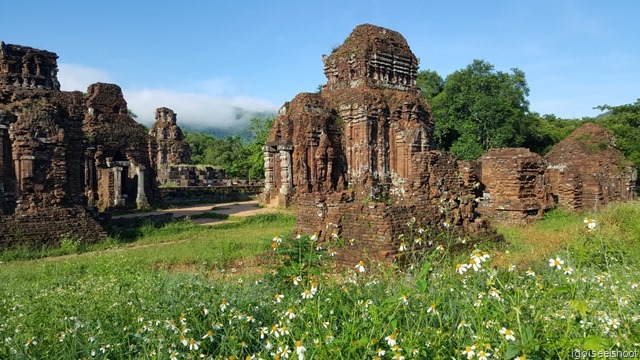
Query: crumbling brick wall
x=48 y=226
x=587 y=171
x=118 y=159
x=191 y=175
x=514 y=184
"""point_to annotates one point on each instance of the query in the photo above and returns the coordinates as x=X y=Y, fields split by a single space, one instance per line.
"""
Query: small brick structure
x=514 y=185
x=587 y=171
x=191 y=175
x=359 y=155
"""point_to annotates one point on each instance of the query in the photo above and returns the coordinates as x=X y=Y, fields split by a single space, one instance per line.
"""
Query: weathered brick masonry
x=41 y=148
x=357 y=158
x=587 y=171
x=61 y=151
x=514 y=184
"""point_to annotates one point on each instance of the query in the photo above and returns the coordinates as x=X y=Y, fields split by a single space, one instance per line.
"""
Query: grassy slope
x=179 y=243
x=560 y=232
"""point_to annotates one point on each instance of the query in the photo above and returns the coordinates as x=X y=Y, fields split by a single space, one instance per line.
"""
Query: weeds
x=460 y=305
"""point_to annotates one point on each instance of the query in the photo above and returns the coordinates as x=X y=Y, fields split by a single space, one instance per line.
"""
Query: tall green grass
x=130 y=303
x=253 y=232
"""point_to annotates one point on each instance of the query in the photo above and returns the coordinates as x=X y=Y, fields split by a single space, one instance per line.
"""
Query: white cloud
x=209 y=103
x=196 y=109
x=79 y=77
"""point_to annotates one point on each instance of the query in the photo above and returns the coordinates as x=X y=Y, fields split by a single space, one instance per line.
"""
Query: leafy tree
x=545 y=131
x=230 y=153
x=430 y=84
x=260 y=128
x=624 y=122
x=199 y=144
x=479 y=108
x=237 y=156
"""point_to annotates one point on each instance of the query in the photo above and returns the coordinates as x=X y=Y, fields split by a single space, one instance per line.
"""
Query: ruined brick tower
x=364 y=130
x=118 y=169
x=168 y=137
x=359 y=154
x=41 y=147
x=28 y=68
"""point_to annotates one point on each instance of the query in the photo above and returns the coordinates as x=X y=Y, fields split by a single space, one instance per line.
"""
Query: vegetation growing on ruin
x=567 y=282
x=624 y=122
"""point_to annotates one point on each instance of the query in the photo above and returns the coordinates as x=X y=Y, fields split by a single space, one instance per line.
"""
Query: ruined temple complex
x=357 y=158
x=63 y=152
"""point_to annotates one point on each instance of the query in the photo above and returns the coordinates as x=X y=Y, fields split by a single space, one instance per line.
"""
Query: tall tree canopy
x=624 y=122
x=238 y=157
x=259 y=128
x=430 y=83
x=546 y=131
x=480 y=108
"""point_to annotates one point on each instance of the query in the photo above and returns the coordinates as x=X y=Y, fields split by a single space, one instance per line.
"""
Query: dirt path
x=243 y=208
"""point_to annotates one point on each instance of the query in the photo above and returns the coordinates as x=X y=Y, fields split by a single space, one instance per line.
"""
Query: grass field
x=185 y=292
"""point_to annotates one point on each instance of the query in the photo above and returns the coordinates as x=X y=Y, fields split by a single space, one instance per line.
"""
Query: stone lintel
x=118 y=164
x=269 y=149
x=285 y=148
x=280 y=143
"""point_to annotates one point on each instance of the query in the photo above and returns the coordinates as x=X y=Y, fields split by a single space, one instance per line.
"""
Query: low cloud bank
x=198 y=110
x=209 y=106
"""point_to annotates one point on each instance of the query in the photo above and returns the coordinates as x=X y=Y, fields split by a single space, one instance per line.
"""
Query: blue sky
x=206 y=58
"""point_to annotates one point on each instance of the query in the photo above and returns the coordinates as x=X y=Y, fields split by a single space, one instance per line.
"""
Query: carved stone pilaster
x=5 y=156
x=269 y=175
x=141 y=198
x=118 y=200
x=286 y=175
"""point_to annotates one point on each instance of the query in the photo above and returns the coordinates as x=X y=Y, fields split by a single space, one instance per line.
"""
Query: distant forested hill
x=240 y=128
